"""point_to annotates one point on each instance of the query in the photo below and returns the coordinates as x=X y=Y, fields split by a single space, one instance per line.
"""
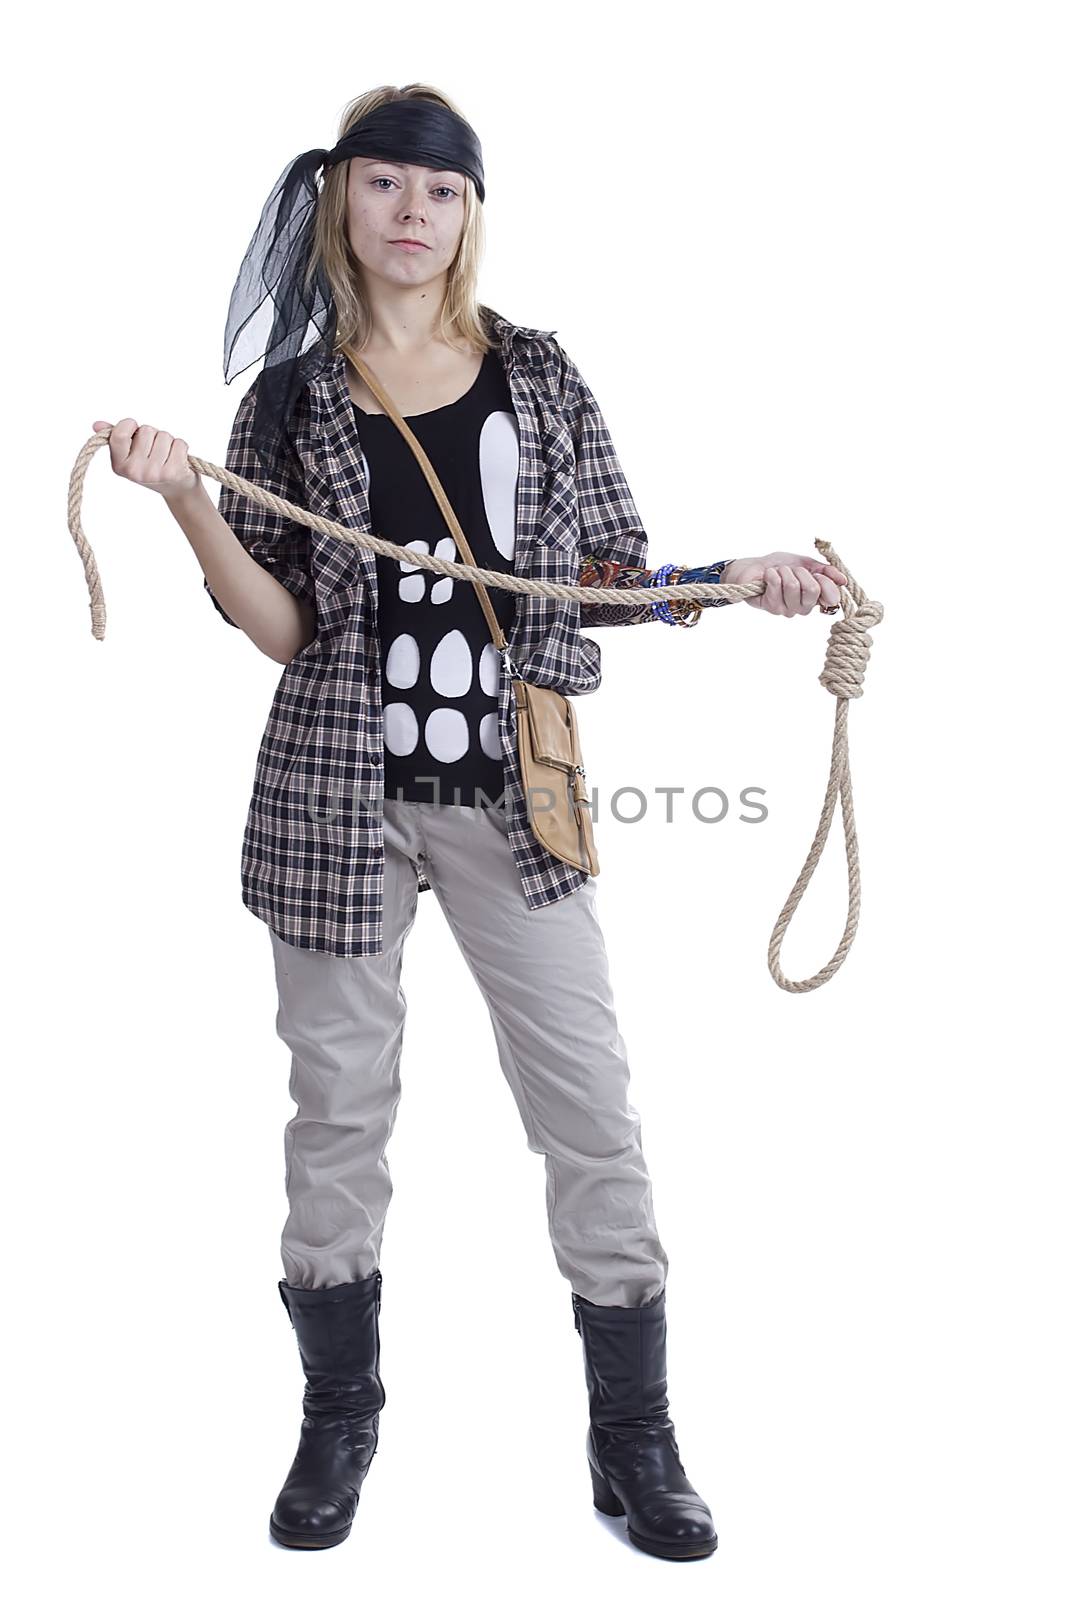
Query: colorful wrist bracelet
x=658 y=580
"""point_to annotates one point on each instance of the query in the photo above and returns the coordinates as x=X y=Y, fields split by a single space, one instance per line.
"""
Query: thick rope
x=846 y=657
x=399 y=552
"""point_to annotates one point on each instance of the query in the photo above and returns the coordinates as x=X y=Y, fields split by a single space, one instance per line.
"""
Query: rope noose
x=846 y=662
x=846 y=658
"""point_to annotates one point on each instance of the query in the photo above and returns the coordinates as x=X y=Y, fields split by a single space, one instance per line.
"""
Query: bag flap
x=550 y=728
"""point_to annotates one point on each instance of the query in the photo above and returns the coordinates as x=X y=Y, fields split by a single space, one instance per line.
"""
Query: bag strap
x=439 y=495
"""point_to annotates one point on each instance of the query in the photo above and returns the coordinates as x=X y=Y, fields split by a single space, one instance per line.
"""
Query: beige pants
x=544 y=976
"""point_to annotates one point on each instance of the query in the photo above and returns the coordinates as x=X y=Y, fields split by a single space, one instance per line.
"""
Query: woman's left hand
x=795 y=583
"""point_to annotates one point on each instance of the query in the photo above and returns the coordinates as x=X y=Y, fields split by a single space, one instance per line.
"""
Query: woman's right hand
x=150 y=457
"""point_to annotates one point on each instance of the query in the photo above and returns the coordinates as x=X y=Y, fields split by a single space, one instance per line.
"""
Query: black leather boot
x=337 y=1335
x=631 y=1448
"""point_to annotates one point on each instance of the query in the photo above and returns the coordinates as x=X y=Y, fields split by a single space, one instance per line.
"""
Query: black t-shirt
x=440 y=668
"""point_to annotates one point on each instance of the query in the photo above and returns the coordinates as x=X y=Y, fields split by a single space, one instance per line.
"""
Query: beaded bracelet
x=693 y=610
x=684 y=613
x=659 y=578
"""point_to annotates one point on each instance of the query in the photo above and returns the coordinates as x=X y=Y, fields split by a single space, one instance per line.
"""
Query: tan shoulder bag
x=550 y=752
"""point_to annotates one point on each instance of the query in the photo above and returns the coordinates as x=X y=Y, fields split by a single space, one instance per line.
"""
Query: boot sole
x=306 y=1541
x=672 y=1552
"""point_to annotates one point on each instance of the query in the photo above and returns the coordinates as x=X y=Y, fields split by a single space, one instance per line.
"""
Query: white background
x=811 y=260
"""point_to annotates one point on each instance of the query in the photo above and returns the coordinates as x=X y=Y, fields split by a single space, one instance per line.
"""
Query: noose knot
x=847 y=651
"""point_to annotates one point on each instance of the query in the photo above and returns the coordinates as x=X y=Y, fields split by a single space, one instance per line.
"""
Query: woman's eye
x=443 y=186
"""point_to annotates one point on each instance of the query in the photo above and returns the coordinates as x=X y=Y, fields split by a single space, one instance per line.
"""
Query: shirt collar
x=508 y=331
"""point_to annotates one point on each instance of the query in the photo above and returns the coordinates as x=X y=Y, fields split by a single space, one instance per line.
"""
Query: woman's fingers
x=790 y=592
x=120 y=442
x=794 y=584
x=149 y=456
x=830 y=594
x=810 y=591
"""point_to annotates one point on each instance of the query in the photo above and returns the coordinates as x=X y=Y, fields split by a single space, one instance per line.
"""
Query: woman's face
x=389 y=200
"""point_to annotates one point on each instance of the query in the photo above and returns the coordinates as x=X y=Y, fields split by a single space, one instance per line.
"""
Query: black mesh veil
x=274 y=311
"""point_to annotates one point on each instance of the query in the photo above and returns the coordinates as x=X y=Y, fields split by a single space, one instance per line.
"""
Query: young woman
x=389 y=764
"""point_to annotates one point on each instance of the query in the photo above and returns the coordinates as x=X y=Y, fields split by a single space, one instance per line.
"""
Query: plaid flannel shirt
x=312 y=862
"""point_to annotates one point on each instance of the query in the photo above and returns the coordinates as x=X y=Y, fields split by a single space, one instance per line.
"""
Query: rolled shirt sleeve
x=276 y=542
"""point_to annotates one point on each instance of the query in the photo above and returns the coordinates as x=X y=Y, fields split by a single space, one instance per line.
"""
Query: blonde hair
x=461 y=318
